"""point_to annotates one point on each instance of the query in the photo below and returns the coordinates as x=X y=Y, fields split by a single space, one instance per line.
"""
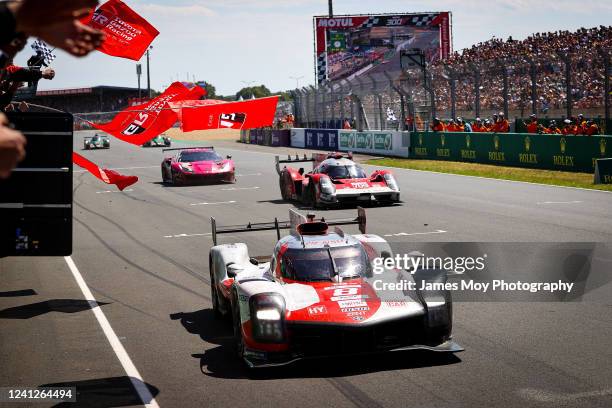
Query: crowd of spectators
x=548 y=52
x=574 y=126
x=55 y=22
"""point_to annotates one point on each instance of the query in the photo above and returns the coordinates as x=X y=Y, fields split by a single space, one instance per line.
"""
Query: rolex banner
x=553 y=152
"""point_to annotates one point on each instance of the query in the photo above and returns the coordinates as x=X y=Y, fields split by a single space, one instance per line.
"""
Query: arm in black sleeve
x=19 y=74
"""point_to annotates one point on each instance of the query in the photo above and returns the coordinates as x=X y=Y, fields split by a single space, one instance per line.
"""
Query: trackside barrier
x=552 y=152
x=384 y=143
x=298 y=138
x=603 y=171
x=266 y=137
x=321 y=139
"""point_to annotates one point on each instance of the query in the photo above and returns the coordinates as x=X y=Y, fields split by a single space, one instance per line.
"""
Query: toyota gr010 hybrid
x=158 y=141
x=317 y=295
x=197 y=165
x=335 y=179
x=96 y=142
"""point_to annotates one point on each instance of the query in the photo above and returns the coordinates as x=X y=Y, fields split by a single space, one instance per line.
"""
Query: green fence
x=554 y=152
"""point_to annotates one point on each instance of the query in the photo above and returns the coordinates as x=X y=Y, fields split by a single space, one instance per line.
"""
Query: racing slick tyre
x=239 y=341
x=214 y=294
x=283 y=187
x=175 y=181
x=310 y=198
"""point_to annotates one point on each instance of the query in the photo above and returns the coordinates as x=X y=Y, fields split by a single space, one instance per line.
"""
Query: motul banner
x=141 y=123
x=128 y=35
x=202 y=115
x=107 y=176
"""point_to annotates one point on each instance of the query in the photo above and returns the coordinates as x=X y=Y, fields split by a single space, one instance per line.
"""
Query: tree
x=260 y=91
x=211 y=91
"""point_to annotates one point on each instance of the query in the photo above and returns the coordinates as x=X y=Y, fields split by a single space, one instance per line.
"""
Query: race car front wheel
x=283 y=187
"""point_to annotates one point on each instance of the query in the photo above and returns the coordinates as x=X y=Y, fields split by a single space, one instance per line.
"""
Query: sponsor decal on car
x=317 y=310
x=354 y=309
x=351 y=303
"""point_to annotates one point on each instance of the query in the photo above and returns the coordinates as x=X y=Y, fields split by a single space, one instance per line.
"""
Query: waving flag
x=43 y=52
x=128 y=35
x=205 y=115
x=140 y=123
x=107 y=176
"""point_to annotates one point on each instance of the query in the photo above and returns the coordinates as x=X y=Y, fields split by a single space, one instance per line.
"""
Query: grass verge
x=555 y=178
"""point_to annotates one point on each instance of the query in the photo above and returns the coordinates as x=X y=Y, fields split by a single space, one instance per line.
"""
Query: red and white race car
x=335 y=179
x=318 y=295
x=197 y=165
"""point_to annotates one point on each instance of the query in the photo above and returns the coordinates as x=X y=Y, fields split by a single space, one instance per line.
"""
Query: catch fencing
x=551 y=85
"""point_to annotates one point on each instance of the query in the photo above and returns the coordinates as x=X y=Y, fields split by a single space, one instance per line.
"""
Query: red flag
x=141 y=123
x=107 y=176
x=128 y=35
x=202 y=115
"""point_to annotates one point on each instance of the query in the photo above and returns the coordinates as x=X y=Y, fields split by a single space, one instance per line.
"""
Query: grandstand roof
x=80 y=91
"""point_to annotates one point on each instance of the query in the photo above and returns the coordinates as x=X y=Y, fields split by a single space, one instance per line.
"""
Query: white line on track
x=408 y=234
x=248 y=175
x=129 y=367
x=188 y=235
x=113 y=192
x=559 y=202
x=239 y=188
x=221 y=202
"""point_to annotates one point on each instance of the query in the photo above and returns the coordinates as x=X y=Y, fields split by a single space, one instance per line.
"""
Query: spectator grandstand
x=516 y=77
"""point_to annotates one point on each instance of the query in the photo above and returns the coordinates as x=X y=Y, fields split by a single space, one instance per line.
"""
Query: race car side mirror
x=254 y=261
x=229 y=157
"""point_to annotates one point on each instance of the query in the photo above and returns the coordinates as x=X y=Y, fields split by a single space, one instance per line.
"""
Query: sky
x=236 y=43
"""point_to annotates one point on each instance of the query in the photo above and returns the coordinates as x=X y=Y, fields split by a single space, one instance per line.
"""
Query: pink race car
x=197 y=165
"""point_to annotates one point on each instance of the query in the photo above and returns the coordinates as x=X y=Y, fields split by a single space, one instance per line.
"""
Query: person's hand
x=12 y=147
x=48 y=73
x=57 y=23
x=23 y=106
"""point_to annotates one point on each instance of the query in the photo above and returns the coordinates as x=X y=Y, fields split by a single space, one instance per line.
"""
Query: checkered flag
x=370 y=22
x=45 y=54
x=322 y=67
x=423 y=19
x=391 y=115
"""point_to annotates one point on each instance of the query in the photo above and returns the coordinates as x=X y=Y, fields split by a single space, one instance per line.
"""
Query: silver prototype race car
x=317 y=295
x=96 y=142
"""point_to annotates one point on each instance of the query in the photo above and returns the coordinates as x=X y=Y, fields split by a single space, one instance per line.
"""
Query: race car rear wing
x=277 y=225
x=188 y=148
x=296 y=160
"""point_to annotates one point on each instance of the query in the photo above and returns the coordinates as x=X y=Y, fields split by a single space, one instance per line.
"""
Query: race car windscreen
x=189 y=157
x=322 y=264
x=345 y=172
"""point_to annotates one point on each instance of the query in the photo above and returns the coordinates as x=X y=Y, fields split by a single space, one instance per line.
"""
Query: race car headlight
x=391 y=183
x=268 y=317
x=186 y=167
x=226 y=167
x=327 y=187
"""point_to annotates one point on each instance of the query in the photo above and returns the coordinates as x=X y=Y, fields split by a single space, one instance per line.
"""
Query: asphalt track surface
x=143 y=254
